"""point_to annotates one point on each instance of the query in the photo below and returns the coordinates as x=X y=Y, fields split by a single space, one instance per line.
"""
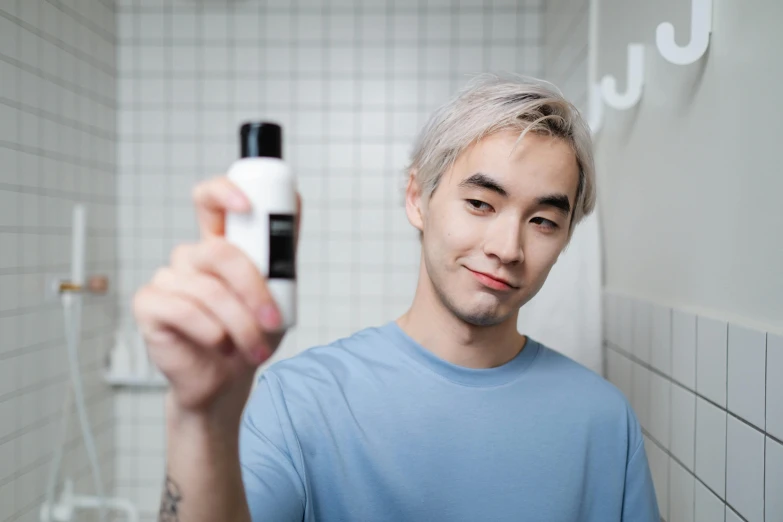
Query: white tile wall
x=711 y=446
x=709 y=507
x=684 y=349
x=57 y=148
x=746 y=374
x=660 y=408
x=642 y=323
x=732 y=516
x=640 y=381
x=745 y=469
x=773 y=480
x=681 y=493
x=683 y=425
x=704 y=457
x=711 y=352
x=659 y=462
x=661 y=347
x=775 y=385
x=351 y=83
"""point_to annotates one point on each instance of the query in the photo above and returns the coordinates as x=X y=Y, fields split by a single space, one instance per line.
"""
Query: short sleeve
x=639 y=501
x=273 y=486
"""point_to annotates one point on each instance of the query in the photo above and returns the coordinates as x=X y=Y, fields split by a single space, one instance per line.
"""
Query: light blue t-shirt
x=375 y=428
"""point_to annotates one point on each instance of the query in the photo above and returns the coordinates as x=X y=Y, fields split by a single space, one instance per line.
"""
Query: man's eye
x=478 y=205
x=551 y=225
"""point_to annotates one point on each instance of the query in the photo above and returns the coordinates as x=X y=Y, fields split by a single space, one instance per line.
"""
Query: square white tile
x=774 y=481
x=684 y=348
x=660 y=406
x=7 y=496
x=503 y=57
x=612 y=369
x=610 y=318
x=7 y=459
x=711 y=355
x=469 y=58
x=504 y=26
x=619 y=372
x=9 y=129
x=775 y=385
x=745 y=470
x=642 y=317
x=746 y=374
x=640 y=382
x=709 y=508
x=625 y=323
x=659 y=469
x=661 y=338
x=683 y=425
x=711 y=446
x=681 y=493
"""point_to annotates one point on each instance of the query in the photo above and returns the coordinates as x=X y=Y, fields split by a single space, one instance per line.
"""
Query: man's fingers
x=225 y=261
x=214 y=297
x=167 y=315
x=213 y=198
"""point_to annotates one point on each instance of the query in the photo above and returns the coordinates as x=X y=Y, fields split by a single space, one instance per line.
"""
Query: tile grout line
x=20 y=261
x=389 y=77
x=673 y=381
x=726 y=430
x=671 y=428
x=61 y=44
x=695 y=401
x=41 y=113
x=764 y=462
x=344 y=9
x=672 y=457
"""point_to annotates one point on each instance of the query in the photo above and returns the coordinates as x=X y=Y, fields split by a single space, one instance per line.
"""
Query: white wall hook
x=595 y=108
x=634 y=84
x=701 y=27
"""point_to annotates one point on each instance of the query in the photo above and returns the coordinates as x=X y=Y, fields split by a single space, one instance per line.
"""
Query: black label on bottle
x=281 y=247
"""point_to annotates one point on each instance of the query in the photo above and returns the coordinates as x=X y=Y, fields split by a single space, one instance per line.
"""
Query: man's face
x=496 y=224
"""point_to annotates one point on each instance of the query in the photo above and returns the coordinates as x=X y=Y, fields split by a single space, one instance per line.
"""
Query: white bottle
x=266 y=233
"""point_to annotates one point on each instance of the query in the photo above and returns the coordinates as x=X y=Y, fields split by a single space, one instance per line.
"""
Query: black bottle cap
x=261 y=140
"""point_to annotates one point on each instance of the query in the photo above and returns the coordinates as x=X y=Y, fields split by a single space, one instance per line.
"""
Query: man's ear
x=414 y=201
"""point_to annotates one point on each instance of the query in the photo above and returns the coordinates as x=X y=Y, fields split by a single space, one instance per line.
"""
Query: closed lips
x=495 y=278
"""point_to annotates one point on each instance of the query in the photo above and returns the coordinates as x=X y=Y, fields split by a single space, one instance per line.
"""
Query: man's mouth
x=492 y=281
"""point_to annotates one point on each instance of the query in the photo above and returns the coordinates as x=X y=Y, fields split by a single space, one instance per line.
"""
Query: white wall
x=351 y=82
x=691 y=182
x=690 y=216
x=57 y=148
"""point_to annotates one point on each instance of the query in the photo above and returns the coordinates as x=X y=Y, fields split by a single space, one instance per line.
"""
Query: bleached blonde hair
x=492 y=103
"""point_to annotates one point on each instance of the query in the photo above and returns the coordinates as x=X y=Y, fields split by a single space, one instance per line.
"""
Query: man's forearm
x=203 y=475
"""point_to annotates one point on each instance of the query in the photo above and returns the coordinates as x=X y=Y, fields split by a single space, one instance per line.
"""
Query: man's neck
x=435 y=327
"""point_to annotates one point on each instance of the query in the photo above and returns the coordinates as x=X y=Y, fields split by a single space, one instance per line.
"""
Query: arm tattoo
x=169 y=505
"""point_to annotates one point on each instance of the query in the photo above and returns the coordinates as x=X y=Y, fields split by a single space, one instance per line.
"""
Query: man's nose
x=504 y=241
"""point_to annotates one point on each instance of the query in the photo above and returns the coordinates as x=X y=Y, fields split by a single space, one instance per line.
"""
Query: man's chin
x=477 y=309
x=483 y=320
x=481 y=317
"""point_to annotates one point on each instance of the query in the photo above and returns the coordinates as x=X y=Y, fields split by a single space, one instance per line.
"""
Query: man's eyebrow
x=483 y=181
x=558 y=201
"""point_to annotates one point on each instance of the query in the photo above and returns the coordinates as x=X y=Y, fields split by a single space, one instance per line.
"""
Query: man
x=447 y=413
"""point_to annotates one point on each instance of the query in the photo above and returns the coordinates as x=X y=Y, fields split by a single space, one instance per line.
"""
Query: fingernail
x=269 y=317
